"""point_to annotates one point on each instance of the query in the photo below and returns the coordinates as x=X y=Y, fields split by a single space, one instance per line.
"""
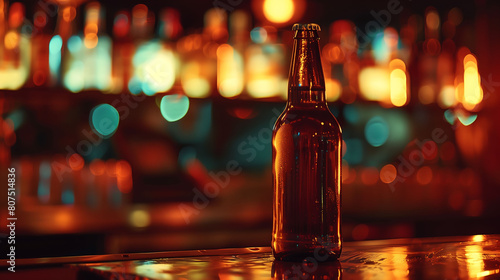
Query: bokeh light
x=398 y=83
x=374 y=83
x=229 y=71
x=139 y=218
x=155 y=68
x=473 y=93
x=279 y=11
x=104 y=120
x=258 y=35
x=174 y=107
x=194 y=84
x=74 y=44
x=76 y=162
x=424 y=175
x=11 y=40
x=388 y=173
x=376 y=131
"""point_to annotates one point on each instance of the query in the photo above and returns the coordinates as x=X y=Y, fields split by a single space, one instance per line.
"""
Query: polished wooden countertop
x=469 y=257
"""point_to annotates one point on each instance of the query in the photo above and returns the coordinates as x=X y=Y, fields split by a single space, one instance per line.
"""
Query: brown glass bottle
x=306 y=161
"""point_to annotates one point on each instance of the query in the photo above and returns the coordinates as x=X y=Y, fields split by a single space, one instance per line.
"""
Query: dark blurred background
x=137 y=127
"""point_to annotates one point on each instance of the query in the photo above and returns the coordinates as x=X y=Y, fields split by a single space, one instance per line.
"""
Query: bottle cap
x=306 y=26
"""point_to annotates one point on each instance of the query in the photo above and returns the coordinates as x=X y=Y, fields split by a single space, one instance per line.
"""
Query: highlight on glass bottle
x=306 y=161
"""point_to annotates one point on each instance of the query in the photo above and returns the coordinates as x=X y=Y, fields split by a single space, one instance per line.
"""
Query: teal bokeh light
x=354 y=151
x=376 y=131
x=104 y=120
x=351 y=114
x=258 y=35
x=74 y=44
x=55 y=44
x=174 y=107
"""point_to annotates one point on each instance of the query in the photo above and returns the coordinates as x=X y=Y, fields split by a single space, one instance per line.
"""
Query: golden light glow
x=11 y=40
x=398 y=87
x=91 y=25
x=139 y=218
x=264 y=76
x=399 y=260
x=158 y=72
x=447 y=97
x=474 y=258
x=229 y=71
x=374 y=83
x=263 y=87
x=459 y=92
x=397 y=64
x=279 y=11
x=90 y=40
x=398 y=83
x=473 y=93
x=192 y=81
x=13 y=78
x=478 y=238
x=333 y=89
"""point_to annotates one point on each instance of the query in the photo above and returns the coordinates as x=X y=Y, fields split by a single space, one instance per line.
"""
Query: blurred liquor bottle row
x=99 y=184
x=148 y=53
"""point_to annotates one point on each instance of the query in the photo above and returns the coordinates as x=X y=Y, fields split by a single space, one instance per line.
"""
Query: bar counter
x=469 y=257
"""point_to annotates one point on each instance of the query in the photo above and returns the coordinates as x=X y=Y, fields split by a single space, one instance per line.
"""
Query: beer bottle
x=306 y=161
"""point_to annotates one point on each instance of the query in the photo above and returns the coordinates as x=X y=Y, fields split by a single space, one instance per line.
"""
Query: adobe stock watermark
x=416 y=158
x=227 y=5
x=427 y=147
x=251 y=146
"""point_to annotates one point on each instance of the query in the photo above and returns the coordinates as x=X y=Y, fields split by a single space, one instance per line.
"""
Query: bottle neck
x=306 y=84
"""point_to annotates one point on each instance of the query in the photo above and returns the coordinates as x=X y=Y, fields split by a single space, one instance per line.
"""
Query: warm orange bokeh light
x=398 y=87
x=11 y=40
x=76 y=162
x=473 y=93
x=424 y=175
x=229 y=71
x=279 y=11
x=432 y=20
x=124 y=176
x=97 y=167
x=388 y=173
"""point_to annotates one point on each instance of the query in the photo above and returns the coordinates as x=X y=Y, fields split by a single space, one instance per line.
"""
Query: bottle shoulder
x=309 y=119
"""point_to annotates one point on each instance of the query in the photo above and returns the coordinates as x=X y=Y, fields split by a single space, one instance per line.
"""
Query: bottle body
x=307 y=155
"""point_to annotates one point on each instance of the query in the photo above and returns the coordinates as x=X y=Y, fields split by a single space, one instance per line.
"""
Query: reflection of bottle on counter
x=306 y=161
x=309 y=269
